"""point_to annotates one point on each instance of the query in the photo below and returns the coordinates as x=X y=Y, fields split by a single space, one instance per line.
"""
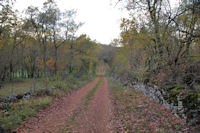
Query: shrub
x=20 y=111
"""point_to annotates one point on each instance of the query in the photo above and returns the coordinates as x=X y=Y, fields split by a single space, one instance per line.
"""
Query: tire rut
x=98 y=116
x=54 y=118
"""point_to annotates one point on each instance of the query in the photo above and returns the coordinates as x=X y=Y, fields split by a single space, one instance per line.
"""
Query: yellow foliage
x=50 y=64
x=1 y=45
x=40 y=64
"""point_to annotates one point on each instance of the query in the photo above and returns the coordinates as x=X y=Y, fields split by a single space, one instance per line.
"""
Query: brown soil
x=53 y=118
x=97 y=118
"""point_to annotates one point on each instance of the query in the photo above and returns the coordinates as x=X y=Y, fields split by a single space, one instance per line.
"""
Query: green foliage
x=152 y=50
x=25 y=51
x=20 y=111
x=161 y=51
x=191 y=99
x=178 y=127
x=59 y=86
x=14 y=114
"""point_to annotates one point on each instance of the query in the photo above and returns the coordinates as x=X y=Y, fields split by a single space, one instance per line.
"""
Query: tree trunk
x=55 y=53
x=44 y=55
x=71 y=57
x=56 y=58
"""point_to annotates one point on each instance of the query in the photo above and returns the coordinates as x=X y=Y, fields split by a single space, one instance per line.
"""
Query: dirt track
x=96 y=118
x=53 y=119
x=71 y=115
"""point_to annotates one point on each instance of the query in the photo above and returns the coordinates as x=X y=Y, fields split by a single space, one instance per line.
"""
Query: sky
x=101 y=18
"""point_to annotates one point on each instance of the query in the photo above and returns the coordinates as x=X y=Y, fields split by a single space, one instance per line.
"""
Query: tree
x=43 y=43
x=71 y=28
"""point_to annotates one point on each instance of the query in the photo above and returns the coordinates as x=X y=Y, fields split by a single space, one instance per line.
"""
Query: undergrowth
x=16 y=113
x=13 y=113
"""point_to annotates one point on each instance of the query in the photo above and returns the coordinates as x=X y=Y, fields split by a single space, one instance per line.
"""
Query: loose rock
x=12 y=97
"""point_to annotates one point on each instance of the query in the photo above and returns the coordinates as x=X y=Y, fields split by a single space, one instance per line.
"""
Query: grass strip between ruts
x=80 y=111
x=92 y=92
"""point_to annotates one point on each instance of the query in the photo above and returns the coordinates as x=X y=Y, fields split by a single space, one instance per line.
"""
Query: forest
x=43 y=63
x=43 y=43
x=41 y=54
x=160 y=46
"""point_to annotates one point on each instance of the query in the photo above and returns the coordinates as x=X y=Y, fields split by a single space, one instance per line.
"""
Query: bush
x=22 y=110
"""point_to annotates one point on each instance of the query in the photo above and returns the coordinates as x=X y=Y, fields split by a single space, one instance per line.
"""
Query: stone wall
x=186 y=107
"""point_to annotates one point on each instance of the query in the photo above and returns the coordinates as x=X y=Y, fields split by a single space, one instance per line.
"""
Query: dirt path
x=94 y=117
x=129 y=111
x=53 y=119
x=97 y=117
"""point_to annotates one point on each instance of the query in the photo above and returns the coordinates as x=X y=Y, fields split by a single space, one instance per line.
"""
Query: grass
x=72 y=122
x=92 y=92
x=62 y=87
x=16 y=113
x=9 y=91
x=27 y=85
x=19 y=87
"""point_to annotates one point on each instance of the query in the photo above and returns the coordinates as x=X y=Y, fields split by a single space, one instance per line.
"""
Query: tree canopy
x=43 y=43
